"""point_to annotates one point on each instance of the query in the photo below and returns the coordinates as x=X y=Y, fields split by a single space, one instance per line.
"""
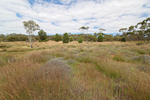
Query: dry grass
x=95 y=71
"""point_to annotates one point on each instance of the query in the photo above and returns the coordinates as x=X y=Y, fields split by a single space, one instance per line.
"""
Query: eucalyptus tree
x=30 y=27
x=148 y=28
x=84 y=29
x=123 y=30
x=142 y=26
x=101 y=30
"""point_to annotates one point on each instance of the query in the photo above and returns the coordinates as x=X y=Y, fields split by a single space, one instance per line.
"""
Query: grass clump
x=141 y=52
x=93 y=70
x=118 y=58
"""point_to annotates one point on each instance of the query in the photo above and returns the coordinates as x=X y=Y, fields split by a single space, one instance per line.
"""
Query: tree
x=71 y=39
x=100 y=38
x=124 y=31
x=96 y=34
x=84 y=29
x=30 y=27
x=148 y=28
x=65 y=38
x=141 y=26
x=101 y=30
x=57 y=37
x=42 y=35
x=80 y=40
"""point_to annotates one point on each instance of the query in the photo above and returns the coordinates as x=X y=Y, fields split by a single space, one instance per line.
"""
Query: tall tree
x=123 y=30
x=101 y=30
x=142 y=29
x=84 y=29
x=148 y=28
x=30 y=27
x=42 y=35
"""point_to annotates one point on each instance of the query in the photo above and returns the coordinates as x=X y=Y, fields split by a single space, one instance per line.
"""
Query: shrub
x=16 y=37
x=2 y=37
x=57 y=37
x=65 y=38
x=71 y=39
x=100 y=38
x=80 y=40
x=42 y=35
x=123 y=39
x=92 y=38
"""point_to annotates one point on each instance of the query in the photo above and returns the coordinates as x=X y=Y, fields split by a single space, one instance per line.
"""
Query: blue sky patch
x=31 y=1
x=95 y=27
x=144 y=15
x=18 y=15
x=75 y=20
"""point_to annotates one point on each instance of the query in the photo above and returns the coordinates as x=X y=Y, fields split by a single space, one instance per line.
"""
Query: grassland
x=73 y=71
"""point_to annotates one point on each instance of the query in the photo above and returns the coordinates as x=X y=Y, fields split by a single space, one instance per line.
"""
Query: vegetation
x=30 y=27
x=65 y=38
x=80 y=40
x=57 y=38
x=42 y=35
x=95 y=70
x=123 y=39
x=100 y=38
x=139 y=32
x=84 y=29
x=71 y=39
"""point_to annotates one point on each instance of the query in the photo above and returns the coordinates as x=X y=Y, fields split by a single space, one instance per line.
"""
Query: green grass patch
x=141 y=52
x=118 y=58
x=110 y=73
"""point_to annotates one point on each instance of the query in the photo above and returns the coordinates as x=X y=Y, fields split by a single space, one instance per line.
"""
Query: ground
x=87 y=71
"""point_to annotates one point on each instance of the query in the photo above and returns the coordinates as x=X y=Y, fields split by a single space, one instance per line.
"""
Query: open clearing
x=73 y=71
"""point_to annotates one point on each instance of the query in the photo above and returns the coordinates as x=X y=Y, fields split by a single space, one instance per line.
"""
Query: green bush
x=80 y=40
x=71 y=39
x=16 y=37
x=2 y=37
x=57 y=37
x=123 y=39
x=92 y=38
x=65 y=38
x=100 y=38
x=42 y=35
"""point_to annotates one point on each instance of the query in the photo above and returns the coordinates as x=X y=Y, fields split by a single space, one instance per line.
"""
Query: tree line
x=138 y=32
x=42 y=36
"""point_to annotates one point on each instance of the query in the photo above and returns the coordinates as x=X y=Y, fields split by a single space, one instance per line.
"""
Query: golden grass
x=99 y=71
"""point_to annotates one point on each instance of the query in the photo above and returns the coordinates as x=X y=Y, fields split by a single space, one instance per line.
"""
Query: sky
x=60 y=16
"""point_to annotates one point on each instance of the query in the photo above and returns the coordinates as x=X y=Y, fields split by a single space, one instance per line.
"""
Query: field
x=87 y=71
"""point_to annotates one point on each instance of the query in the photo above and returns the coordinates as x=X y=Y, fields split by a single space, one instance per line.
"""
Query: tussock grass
x=95 y=71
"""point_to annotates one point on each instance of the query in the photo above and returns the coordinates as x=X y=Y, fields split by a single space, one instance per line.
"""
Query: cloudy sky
x=59 y=16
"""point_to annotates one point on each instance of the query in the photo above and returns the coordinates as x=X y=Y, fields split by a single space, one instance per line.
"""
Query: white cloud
x=54 y=18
